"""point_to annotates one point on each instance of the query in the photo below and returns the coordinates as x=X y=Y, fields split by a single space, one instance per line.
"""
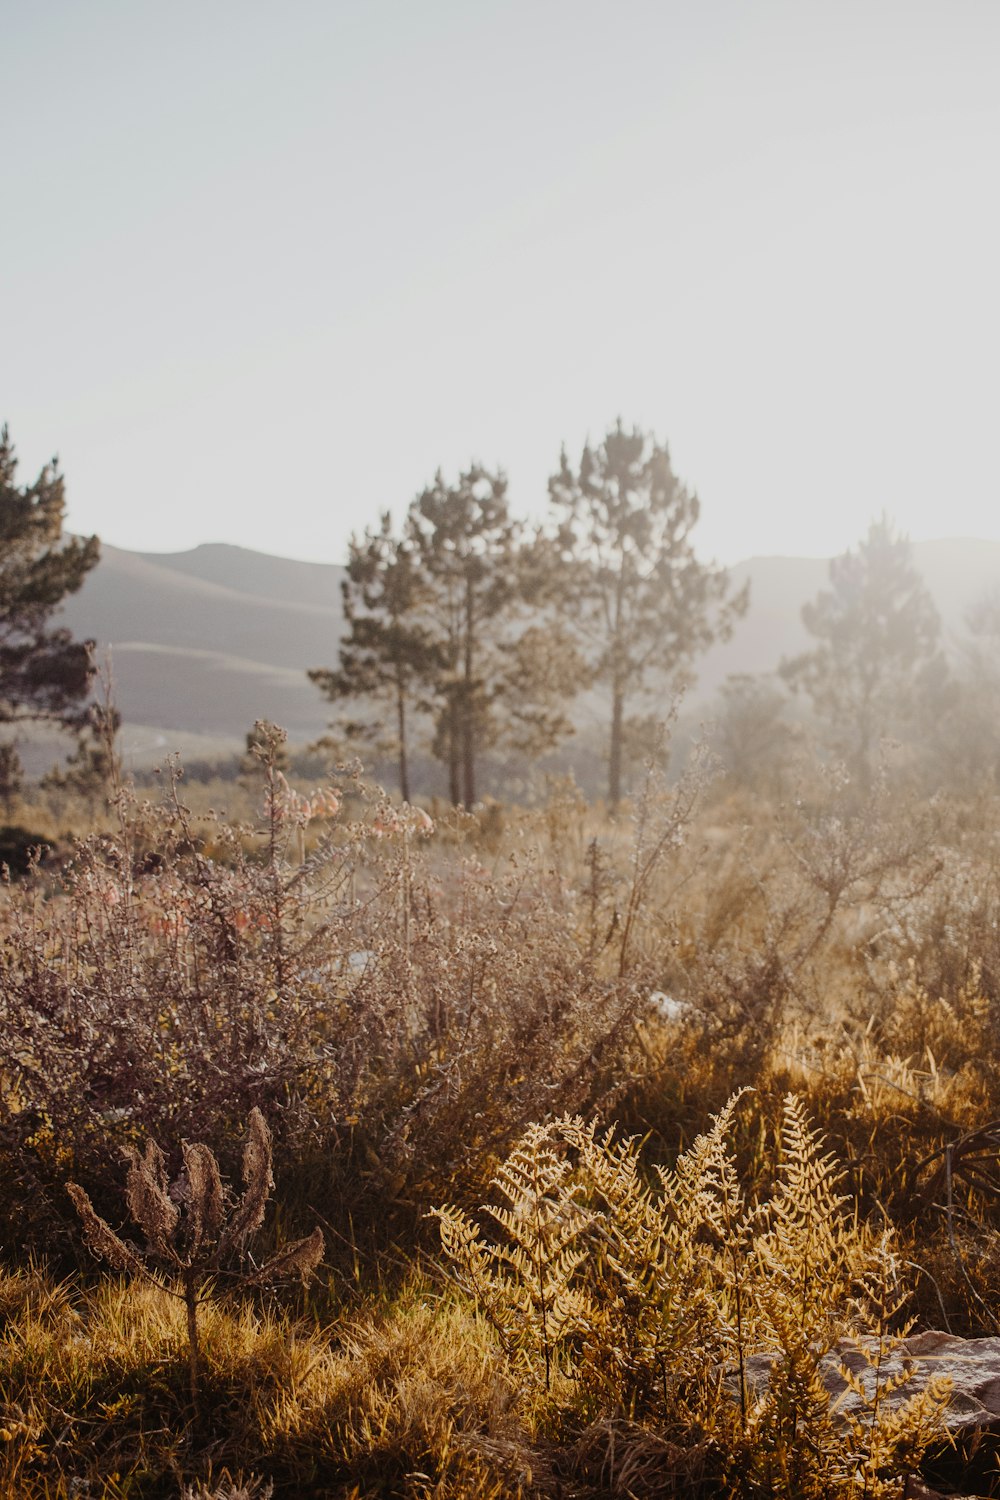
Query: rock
x=972 y=1366
x=972 y=1413
x=917 y=1490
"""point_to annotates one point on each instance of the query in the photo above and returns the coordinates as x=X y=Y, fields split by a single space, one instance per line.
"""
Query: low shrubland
x=724 y=1071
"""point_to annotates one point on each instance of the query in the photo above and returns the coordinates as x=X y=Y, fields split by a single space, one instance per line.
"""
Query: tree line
x=471 y=622
x=490 y=629
x=880 y=688
x=468 y=618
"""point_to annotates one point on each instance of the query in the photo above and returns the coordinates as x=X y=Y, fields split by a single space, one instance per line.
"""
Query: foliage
x=642 y=600
x=338 y=965
x=525 y=1285
x=421 y=1002
x=44 y=673
x=388 y=653
x=751 y=736
x=438 y=628
x=877 y=662
x=648 y=1296
x=466 y=541
x=961 y=745
x=499 y=679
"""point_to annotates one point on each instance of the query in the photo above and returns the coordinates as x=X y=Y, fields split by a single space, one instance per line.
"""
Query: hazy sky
x=266 y=267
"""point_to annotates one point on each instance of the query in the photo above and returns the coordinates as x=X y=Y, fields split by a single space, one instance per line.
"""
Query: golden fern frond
x=533 y=1162
x=635 y=1226
x=703 y=1190
x=889 y=1436
x=810 y=1178
x=809 y=1252
x=611 y=1167
x=469 y=1255
x=525 y=1283
x=878 y=1295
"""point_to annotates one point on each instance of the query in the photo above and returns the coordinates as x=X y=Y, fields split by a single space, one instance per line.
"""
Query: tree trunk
x=404 y=770
x=619 y=669
x=469 y=700
x=454 y=766
x=468 y=748
x=615 y=757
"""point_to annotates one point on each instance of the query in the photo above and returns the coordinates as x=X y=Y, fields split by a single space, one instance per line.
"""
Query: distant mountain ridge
x=206 y=641
x=284 y=580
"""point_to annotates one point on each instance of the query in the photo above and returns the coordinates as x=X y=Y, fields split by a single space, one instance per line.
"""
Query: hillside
x=204 y=642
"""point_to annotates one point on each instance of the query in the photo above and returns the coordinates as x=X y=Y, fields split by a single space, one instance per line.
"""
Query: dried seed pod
x=298 y=1259
x=101 y=1238
x=149 y=1201
x=205 y=1203
x=257 y=1183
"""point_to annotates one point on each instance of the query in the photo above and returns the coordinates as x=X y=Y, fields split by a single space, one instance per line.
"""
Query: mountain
x=204 y=642
x=283 y=580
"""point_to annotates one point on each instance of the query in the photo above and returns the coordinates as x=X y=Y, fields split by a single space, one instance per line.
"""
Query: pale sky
x=266 y=267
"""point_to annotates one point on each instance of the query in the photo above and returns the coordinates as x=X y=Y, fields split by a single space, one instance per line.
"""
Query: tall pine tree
x=643 y=602
x=466 y=543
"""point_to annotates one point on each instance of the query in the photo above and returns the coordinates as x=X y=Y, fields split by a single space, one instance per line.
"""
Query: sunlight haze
x=266 y=269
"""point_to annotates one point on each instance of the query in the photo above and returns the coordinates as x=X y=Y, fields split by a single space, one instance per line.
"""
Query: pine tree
x=641 y=599
x=466 y=545
x=451 y=621
x=44 y=673
x=388 y=653
x=877 y=659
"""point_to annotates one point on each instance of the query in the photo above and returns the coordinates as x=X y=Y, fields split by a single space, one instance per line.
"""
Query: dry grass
x=94 y=1393
x=404 y=1008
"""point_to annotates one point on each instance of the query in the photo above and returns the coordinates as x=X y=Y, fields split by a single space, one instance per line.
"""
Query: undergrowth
x=543 y=1010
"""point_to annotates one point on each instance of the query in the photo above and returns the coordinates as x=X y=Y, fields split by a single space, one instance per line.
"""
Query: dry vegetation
x=723 y=1071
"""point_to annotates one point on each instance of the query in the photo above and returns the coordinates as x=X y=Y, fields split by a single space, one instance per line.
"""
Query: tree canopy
x=446 y=624
x=44 y=672
x=388 y=653
x=644 y=603
x=877 y=661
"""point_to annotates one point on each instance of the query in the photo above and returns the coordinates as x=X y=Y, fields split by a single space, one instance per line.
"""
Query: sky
x=266 y=268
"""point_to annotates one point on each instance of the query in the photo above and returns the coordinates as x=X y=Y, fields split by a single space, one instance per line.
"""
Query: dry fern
x=526 y=1282
x=690 y=1304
